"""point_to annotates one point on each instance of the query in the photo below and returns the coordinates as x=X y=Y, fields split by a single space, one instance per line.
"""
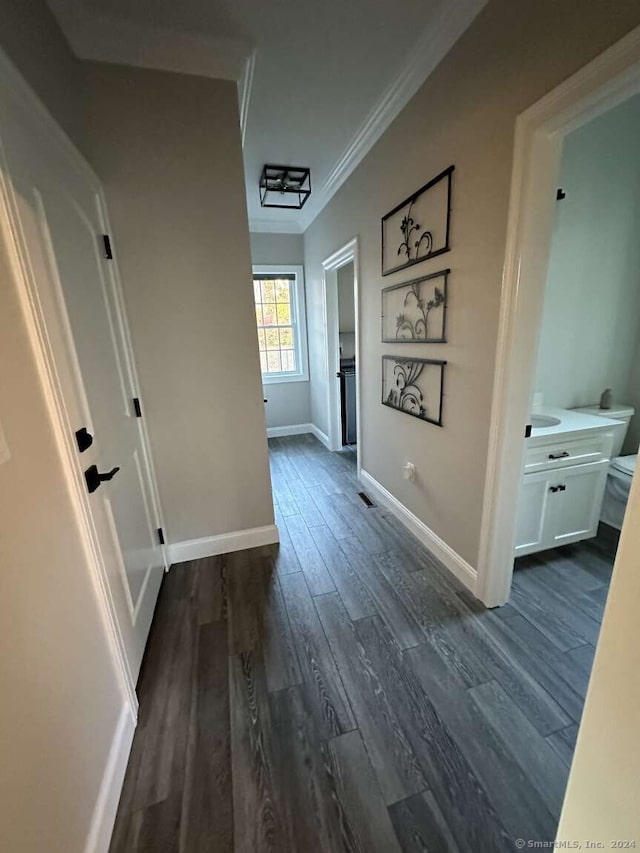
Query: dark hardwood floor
x=341 y=692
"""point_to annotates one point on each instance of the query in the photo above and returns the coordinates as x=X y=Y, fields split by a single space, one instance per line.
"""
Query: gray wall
x=289 y=402
x=590 y=336
x=167 y=147
x=633 y=390
x=465 y=113
x=277 y=248
x=33 y=40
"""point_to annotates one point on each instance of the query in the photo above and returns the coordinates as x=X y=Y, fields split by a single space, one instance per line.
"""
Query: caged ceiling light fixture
x=284 y=186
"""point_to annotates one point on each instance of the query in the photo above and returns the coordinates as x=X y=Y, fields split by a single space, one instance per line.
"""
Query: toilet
x=621 y=468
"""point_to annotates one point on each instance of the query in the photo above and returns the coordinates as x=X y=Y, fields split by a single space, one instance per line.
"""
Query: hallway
x=343 y=692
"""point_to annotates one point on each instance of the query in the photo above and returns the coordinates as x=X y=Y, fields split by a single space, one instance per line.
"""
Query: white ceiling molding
x=244 y=92
x=272 y=226
x=94 y=35
x=433 y=46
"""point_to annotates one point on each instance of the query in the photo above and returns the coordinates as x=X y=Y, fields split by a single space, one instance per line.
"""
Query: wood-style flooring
x=342 y=692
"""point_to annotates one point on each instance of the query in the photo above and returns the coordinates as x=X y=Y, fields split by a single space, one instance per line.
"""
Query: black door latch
x=94 y=477
x=84 y=439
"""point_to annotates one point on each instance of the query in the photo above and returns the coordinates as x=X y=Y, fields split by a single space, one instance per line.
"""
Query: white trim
x=321 y=436
x=95 y=34
x=284 y=378
x=299 y=429
x=434 y=44
x=106 y=806
x=293 y=429
x=223 y=543
x=456 y=564
x=349 y=253
x=244 y=92
x=299 y=322
x=605 y=82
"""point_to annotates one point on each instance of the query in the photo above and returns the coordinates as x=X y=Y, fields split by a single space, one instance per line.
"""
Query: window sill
x=281 y=379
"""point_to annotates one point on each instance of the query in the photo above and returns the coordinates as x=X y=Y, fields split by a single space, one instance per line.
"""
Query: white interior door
x=60 y=215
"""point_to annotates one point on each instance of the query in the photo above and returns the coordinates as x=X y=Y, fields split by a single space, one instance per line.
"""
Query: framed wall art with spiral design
x=414 y=386
x=416 y=311
x=418 y=228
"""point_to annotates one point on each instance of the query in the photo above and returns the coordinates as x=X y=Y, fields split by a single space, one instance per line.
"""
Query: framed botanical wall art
x=416 y=311
x=414 y=386
x=418 y=228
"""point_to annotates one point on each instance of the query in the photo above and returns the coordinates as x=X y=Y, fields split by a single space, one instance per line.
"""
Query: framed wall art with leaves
x=414 y=386
x=418 y=228
x=416 y=311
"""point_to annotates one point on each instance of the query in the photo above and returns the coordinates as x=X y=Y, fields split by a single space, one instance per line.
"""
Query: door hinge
x=560 y=194
x=107 y=247
x=136 y=407
x=527 y=431
x=160 y=536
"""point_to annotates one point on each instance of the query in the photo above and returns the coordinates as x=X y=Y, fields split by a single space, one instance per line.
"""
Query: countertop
x=571 y=422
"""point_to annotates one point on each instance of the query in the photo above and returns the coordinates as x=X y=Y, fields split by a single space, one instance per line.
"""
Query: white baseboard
x=321 y=436
x=293 y=429
x=299 y=429
x=438 y=547
x=104 y=813
x=224 y=543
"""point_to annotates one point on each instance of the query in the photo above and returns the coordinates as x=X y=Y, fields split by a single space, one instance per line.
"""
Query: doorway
x=347 y=355
x=341 y=272
x=608 y=81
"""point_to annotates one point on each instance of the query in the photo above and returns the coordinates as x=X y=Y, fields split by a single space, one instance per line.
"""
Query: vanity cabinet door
x=559 y=507
x=575 y=508
x=531 y=524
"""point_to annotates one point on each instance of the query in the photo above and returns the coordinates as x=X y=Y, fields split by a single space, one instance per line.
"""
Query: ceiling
x=319 y=80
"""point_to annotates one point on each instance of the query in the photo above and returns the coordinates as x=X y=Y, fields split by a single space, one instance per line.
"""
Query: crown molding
x=273 y=226
x=98 y=36
x=437 y=40
x=244 y=92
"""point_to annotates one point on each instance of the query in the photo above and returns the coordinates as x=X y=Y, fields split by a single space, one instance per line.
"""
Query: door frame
x=348 y=253
x=605 y=82
x=52 y=344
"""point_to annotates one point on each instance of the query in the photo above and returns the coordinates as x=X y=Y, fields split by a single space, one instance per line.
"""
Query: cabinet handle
x=553 y=488
x=562 y=488
x=557 y=489
x=562 y=455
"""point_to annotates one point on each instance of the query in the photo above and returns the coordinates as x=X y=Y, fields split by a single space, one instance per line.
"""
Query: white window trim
x=298 y=308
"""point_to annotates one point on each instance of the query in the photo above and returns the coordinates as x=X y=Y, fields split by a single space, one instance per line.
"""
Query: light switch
x=4 y=449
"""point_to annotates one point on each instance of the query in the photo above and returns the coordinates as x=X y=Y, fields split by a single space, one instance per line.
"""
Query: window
x=282 y=336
